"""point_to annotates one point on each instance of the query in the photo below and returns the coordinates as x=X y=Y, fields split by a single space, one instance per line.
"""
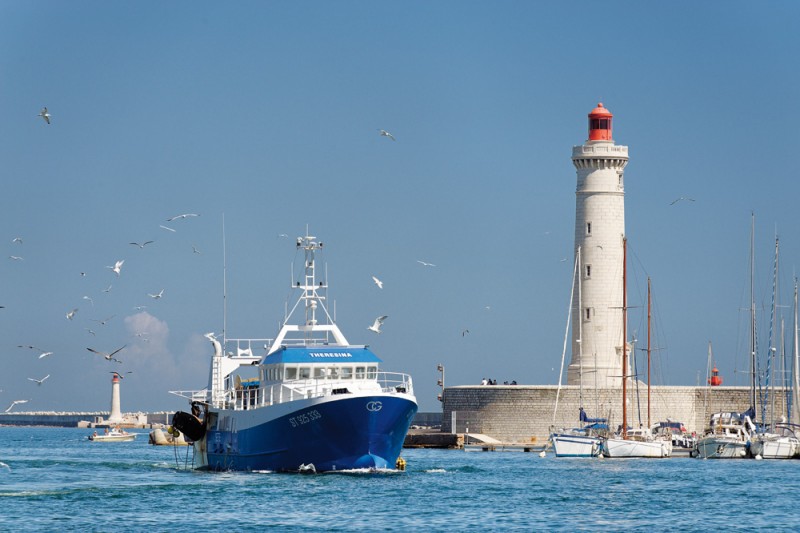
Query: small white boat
x=782 y=443
x=115 y=435
x=639 y=443
x=575 y=442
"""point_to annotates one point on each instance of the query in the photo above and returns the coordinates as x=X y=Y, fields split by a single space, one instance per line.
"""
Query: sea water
x=58 y=480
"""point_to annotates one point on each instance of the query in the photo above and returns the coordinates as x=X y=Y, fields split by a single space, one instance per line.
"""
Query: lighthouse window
x=588 y=271
x=587 y=314
x=594 y=124
x=588 y=228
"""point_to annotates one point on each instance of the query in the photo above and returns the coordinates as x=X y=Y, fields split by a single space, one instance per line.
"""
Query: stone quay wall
x=524 y=413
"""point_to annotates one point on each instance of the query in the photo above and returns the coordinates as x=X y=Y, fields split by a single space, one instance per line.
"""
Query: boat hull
x=565 y=445
x=330 y=433
x=615 y=448
x=721 y=448
x=775 y=447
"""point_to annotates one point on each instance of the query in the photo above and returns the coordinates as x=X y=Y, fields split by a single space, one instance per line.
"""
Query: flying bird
x=15 y=257
x=108 y=289
x=42 y=353
x=195 y=250
x=186 y=215
x=464 y=333
x=107 y=356
x=103 y=322
x=376 y=326
x=15 y=402
x=378 y=282
x=71 y=314
x=140 y=307
x=120 y=376
x=681 y=198
x=423 y=263
x=40 y=381
x=90 y=300
x=142 y=244
x=117 y=268
x=384 y=133
x=44 y=114
x=166 y=228
x=90 y=331
x=17 y=240
x=156 y=296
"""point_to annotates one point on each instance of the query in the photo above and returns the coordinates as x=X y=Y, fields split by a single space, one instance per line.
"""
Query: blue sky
x=268 y=113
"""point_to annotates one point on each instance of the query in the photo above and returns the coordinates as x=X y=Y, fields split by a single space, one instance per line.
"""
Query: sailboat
x=637 y=442
x=584 y=440
x=776 y=440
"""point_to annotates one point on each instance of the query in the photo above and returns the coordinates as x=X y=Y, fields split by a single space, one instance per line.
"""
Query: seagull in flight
x=117 y=268
x=140 y=244
x=195 y=250
x=17 y=240
x=15 y=402
x=166 y=228
x=378 y=282
x=40 y=381
x=71 y=314
x=156 y=296
x=90 y=331
x=42 y=353
x=120 y=376
x=681 y=198
x=186 y=215
x=90 y=300
x=108 y=289
x=464 y=333
x=384 y=133
x=423 y=263
x=376 y=326
x=104 y=321
x=15 y=257
x=140 y=308
x=44 y=114
x=107 y=356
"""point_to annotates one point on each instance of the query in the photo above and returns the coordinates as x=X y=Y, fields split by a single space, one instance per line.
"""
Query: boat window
x=305 y=372
x=333 y=373
x=291 y=372
x=371 y=372
x=319 y=372
x=347 y=372
x=360 y=372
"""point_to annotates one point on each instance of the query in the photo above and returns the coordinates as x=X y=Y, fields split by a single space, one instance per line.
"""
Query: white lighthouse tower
x=599 y=232
x=116 y=414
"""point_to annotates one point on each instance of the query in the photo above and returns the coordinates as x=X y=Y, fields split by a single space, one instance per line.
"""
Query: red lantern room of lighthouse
x=600 y=124
x=715 y=380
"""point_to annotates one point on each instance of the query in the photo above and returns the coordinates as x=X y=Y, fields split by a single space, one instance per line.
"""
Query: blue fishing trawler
x=317 y=403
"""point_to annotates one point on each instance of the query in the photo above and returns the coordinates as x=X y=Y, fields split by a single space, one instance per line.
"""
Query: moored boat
x=728 y=436
x=317 y=404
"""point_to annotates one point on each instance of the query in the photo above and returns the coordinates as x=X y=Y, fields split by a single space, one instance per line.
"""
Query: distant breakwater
x=70 y=419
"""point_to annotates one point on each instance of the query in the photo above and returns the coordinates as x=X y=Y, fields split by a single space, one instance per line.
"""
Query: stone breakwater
x=69 y=419
x=525 y=413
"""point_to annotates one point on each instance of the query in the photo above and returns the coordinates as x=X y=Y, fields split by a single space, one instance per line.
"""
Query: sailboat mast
x=794 y=418
x=624 y=338
x=648 y=352
x=752 y=314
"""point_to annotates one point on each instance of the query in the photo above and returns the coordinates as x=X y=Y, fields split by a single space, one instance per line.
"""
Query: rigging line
x=566 y=332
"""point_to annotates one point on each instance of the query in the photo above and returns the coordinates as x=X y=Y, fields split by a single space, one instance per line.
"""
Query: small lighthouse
x=116 y=415
x=599 y=232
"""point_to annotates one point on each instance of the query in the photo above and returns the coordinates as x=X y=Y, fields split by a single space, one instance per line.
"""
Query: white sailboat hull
x=775 y=447
x=565 y=445
x=616 y=447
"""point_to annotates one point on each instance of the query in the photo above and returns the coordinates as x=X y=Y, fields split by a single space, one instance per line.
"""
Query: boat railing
x=246 y=347
x=288 y=391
